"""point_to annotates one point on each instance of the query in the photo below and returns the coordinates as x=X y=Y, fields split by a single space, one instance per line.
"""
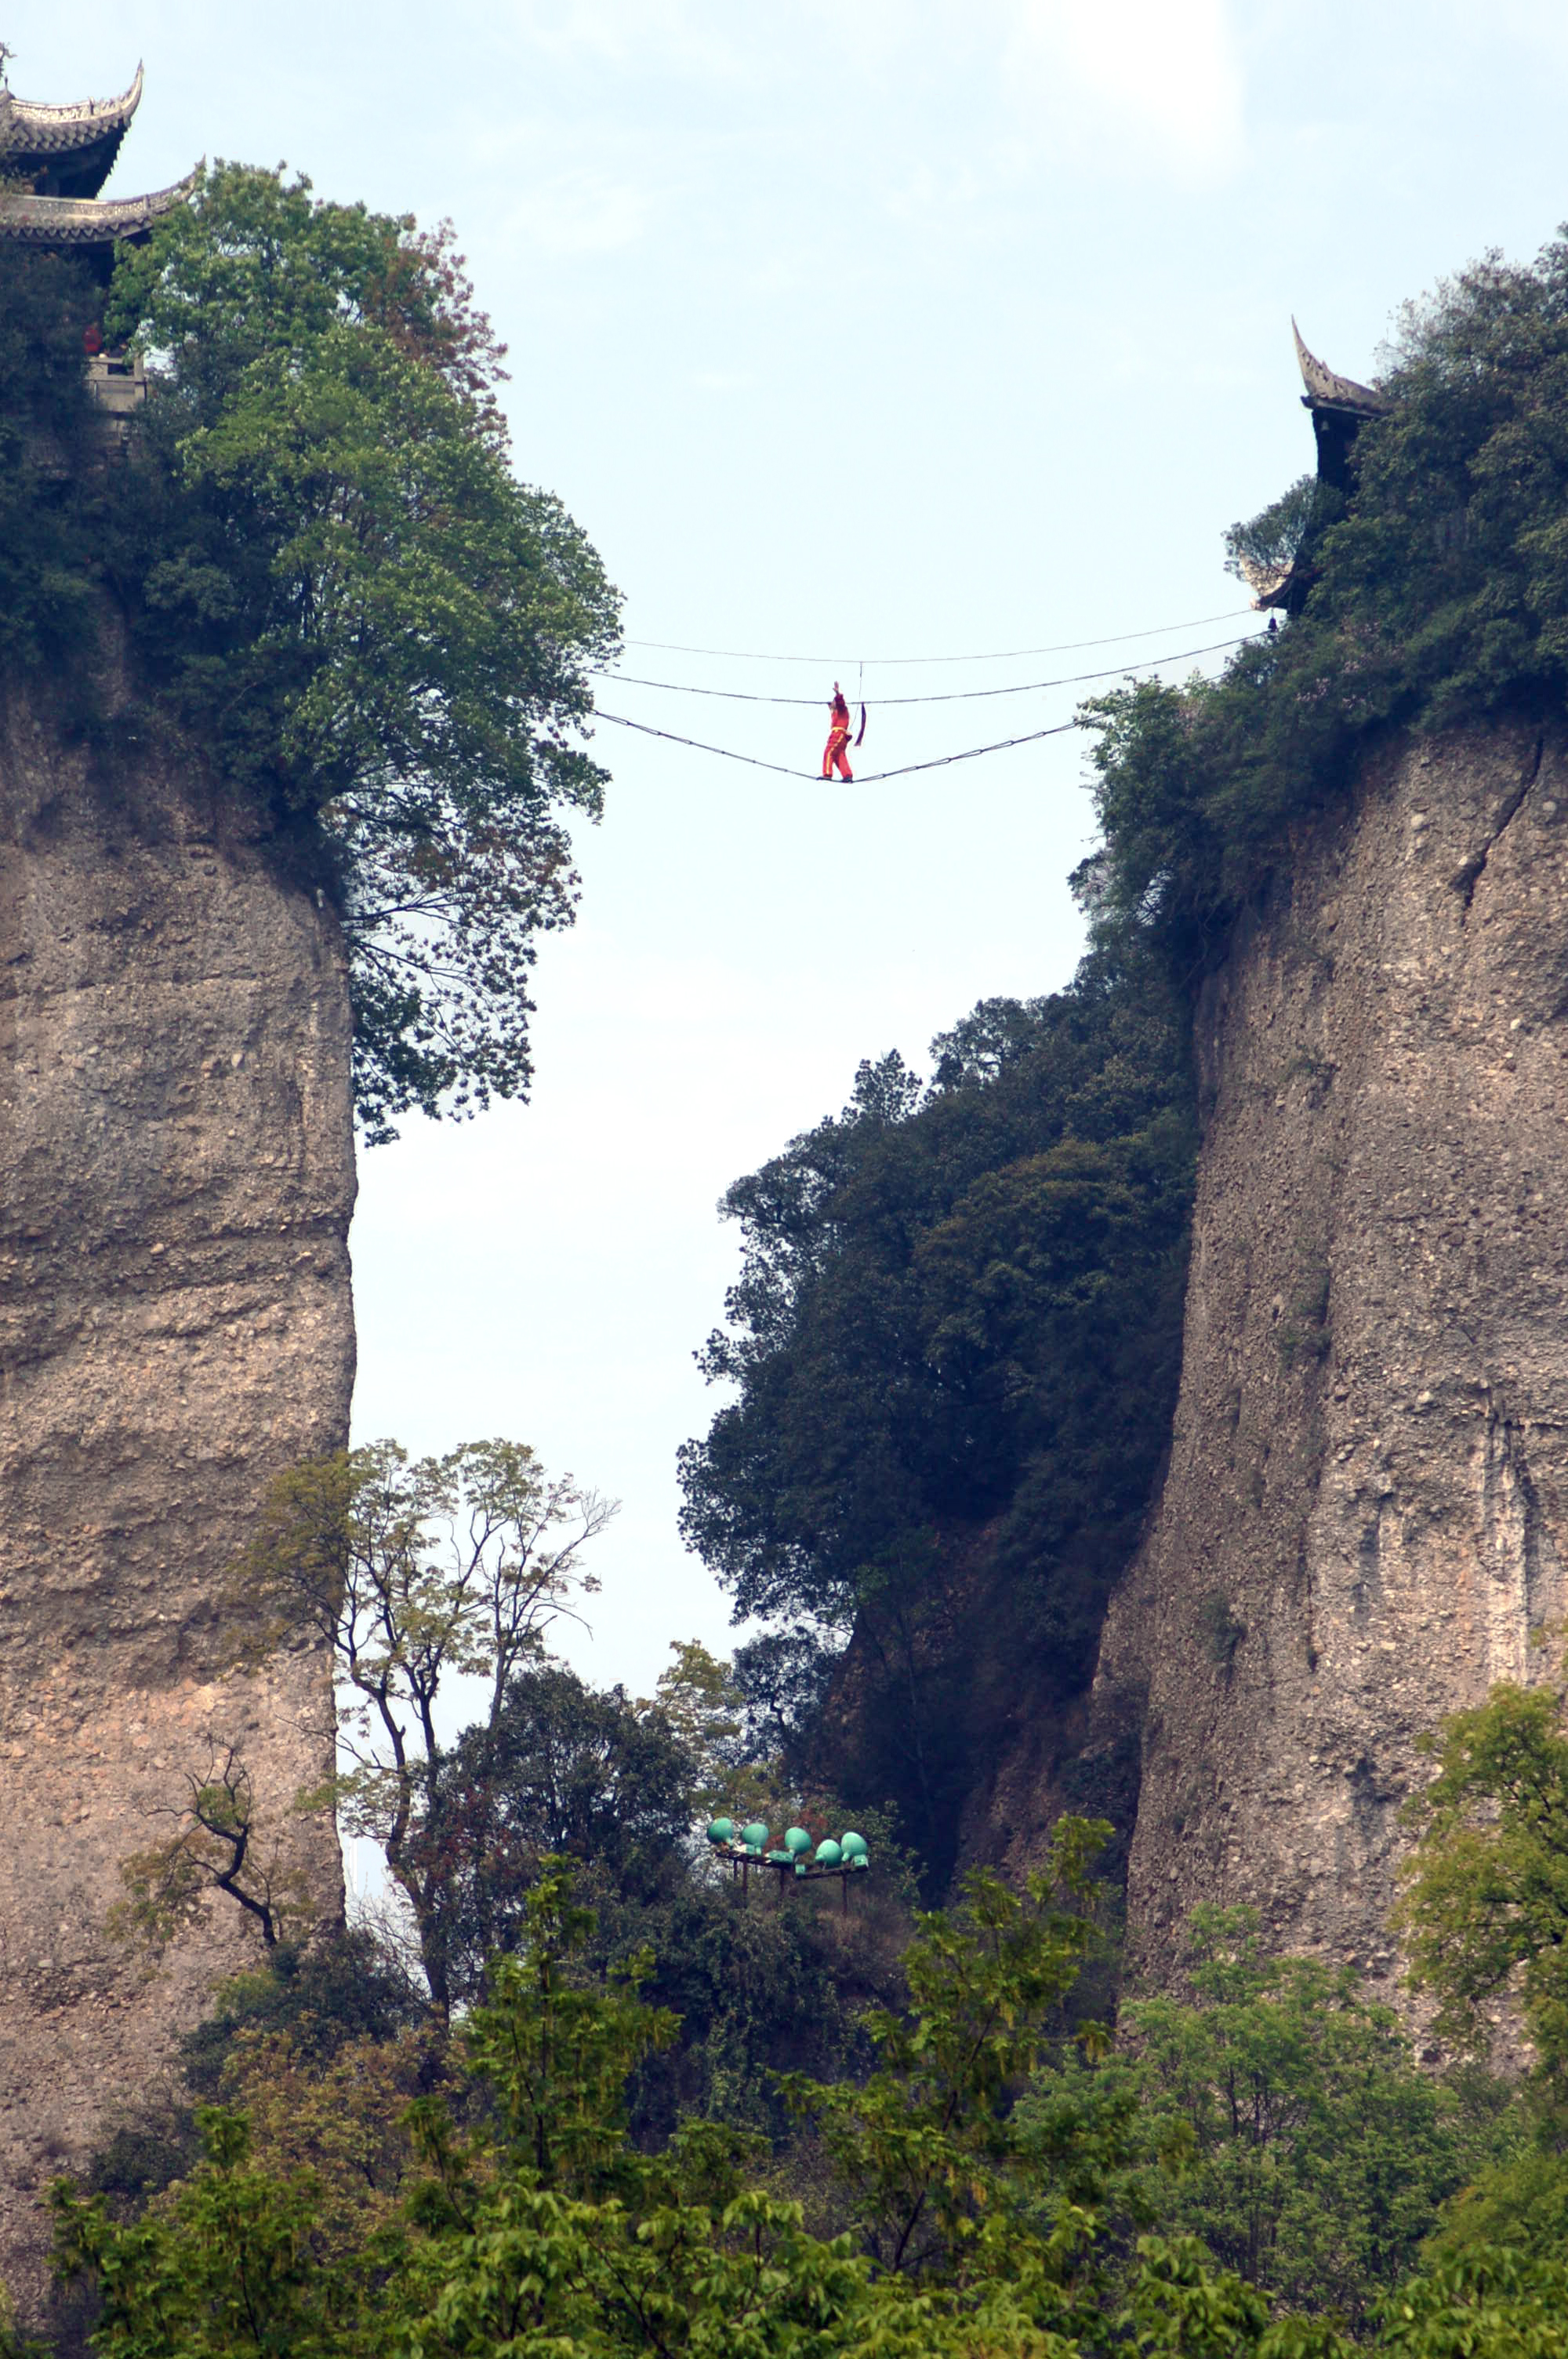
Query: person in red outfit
x=835 y=753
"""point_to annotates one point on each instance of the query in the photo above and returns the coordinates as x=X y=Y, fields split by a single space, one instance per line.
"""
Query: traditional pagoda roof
x=1326 y=390
x=64 y=151
x=1339 y=407
x=77 y=224
x=53 y=162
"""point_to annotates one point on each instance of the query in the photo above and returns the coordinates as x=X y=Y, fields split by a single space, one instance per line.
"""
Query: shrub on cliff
x=1438 y=592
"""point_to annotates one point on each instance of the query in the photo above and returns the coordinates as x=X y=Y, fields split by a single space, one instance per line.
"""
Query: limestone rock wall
x=176 y=1181
x=1366 y=1515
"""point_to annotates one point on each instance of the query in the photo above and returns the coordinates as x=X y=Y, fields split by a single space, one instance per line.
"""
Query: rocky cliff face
x=176 y=1181
x=1365 y=1519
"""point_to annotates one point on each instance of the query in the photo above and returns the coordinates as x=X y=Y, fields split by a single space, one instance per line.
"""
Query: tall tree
x=1272 y=2110
x=339 y=588
x=418 y=1576
x=952 y=1355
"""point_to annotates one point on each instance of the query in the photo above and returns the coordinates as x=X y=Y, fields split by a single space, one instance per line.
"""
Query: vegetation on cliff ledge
x=1439 y=594
x=336 y=591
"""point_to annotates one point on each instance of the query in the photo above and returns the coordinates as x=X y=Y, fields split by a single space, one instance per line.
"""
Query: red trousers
x=836 y=752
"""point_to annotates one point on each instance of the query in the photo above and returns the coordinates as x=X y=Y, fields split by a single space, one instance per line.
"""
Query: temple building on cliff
x=54 y=162
x=1338 y=409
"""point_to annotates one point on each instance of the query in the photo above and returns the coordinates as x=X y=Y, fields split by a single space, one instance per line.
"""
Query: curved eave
x=1270 y=585
x=1327 y=390
x=75 y=223
x=27 y=129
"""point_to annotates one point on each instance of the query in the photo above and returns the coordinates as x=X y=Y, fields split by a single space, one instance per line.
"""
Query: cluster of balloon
x=748 y=1847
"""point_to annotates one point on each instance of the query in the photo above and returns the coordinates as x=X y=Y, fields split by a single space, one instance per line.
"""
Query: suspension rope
x=863 y=777
x=941 y=696
x=1004 y=654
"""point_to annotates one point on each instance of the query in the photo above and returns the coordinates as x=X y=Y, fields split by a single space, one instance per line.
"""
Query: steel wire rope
x=862 y=778
x=940 y=696
x=1000 y=655
x=903 y=769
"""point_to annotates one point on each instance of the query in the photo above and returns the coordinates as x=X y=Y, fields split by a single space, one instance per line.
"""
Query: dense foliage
x=1437 y=593
x=958 y=1315
x=970 y=2164
x=1278 y=2116
x=493 y=2201
x=337 y=593
x=533 y=2223
x=51 y=498
x=1485 y=1918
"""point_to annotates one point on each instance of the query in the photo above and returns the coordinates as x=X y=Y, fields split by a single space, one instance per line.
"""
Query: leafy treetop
x=537 y=2230
x=337 y=592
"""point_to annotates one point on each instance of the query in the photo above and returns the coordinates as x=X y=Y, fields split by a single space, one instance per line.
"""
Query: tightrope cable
x=1003 y=655
x=862 y=778
x=940 y=696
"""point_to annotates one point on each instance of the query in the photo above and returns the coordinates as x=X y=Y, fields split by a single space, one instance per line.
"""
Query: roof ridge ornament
x=1325 y=390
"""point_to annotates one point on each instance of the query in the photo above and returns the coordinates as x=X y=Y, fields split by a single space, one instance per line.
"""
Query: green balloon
x=796 y=1838
x=853 y=1846
x=829 y=1854
x=755 y=1836
x=721 y=1831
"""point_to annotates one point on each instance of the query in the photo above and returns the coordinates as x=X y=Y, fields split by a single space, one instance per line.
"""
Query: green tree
x=926 y=2148
x=418 y=1576
x=1486 y=1900
x=557 y=1769
x=1486 y=2305
x=233 y=2264
x=338 y=588
x=1485 y=1917
x=52 y=499
x=1276 y=2114
x=953 y=1353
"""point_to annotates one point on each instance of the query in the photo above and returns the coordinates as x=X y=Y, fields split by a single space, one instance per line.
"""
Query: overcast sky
x=854 y=331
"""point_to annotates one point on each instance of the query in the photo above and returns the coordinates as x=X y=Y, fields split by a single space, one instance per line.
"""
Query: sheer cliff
x=175 y=1327
x=1365 y=1516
